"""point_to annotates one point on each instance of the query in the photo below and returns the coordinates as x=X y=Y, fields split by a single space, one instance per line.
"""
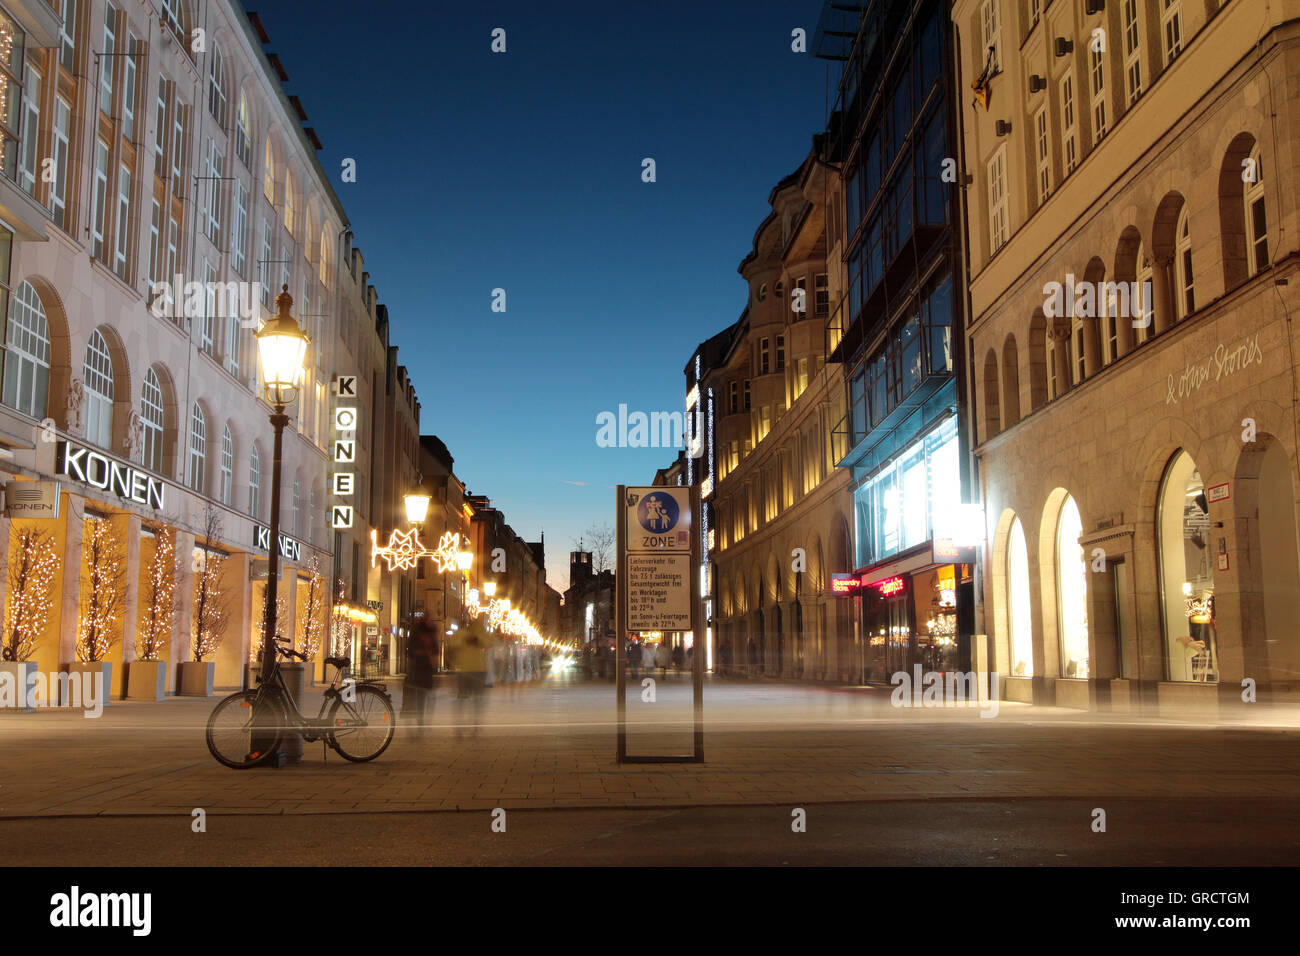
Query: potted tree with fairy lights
x=211 y=615
x=33 y=567
x=146 y=676
x=99 y=623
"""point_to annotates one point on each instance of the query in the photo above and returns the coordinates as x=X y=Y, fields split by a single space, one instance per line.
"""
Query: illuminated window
x=97 y=377
x=1184 y=280
x=1256 y=217
x=151 y=420
x=1186 y=573
x=1072 y=592
x=1019 y=611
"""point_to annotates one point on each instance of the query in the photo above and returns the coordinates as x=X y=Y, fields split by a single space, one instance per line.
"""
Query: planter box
x=196 y=678
x=13 y=685
x=81 y=675
x=146 y=680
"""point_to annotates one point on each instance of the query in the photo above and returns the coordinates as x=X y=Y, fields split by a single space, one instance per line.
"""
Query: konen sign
x=108 y=474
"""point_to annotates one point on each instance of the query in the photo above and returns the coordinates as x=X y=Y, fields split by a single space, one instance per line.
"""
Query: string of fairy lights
x=156 y=627
x=104 y=584
x=32 y=573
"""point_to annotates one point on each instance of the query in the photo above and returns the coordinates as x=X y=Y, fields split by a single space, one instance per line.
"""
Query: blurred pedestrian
x=679 y=657
x=634 y=656
x=471 y=676
x=421 y=666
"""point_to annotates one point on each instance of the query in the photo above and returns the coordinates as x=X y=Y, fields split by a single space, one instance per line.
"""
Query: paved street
x=880 y=784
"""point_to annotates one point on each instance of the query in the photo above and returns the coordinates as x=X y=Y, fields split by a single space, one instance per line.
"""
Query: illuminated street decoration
x=403 y=551
x=445 y=555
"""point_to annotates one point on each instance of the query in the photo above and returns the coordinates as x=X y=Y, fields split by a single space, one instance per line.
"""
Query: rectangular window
x=1098 y=78
x=178 y=146
x=173 y=232
x=123 y=244
x=1132 y=51
x=239 y=229
x=108 y=61
x=1171 y=23
x=1078 y=356
x=155 y=240
x=1042 y=148
x=822 y=295
x=30 y=132
x=746 y=394
x=764 y=356
x=129 y=74
x=780 y=353
x=998 y=201
x=160 y=131
x=68 y=37
x=206 y=323
x=801 y=377
x=734 y=402
x=59 y=188
x=992 y=35
x=214 y=170
x=233 y=339
x=99 y=201
x=1068 y=143
x=264 y=264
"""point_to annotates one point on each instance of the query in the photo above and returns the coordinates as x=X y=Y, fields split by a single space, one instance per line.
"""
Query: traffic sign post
x=658 y=590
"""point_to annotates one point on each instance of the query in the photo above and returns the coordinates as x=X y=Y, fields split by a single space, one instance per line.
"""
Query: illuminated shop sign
x=108 y=474
x=344 y=445
x=945 y=552
x=290 y=549
x=845 y=584
x=890 y=587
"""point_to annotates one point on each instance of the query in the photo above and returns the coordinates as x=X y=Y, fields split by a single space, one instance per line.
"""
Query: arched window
x=97 y=371
x=1256 y=217
x=254 y=481
x=268 y=174
x=325 y=244
x=151 y=421
x=175 y=17
x=227 y=466
x=1184 y=281
x=218 y=99
x=27 y=354
x=244 y=132
x=1071 y=592
x=1186 y=573
x=1019 y=616
x=289 y=199
x=198 y=448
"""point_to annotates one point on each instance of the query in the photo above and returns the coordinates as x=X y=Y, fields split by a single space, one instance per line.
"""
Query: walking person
x=421 y=667
x=679 y=657
x=471 y=677
x=634 y=656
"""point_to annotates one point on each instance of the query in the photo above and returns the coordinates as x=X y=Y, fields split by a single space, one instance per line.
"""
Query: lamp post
x=281 y=349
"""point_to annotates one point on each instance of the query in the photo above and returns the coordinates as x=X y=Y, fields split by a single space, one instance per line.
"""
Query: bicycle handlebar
x=290 y=652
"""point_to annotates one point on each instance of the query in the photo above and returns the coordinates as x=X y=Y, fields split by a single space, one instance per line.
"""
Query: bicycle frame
x=312 y=729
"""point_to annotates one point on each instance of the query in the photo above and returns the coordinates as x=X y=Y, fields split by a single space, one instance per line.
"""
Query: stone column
x=182 y=640
x=70 y=577
x=1059 y=333
x=1125 y=331
x=131 y=601
x=233 y=653
x=1163 y=292
x=1091 y=347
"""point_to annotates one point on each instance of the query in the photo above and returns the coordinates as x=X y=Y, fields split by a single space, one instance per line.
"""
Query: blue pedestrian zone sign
x=657 y=513
x=658 y=519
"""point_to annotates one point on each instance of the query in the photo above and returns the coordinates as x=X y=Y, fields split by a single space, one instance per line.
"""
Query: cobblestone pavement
x=550 y=744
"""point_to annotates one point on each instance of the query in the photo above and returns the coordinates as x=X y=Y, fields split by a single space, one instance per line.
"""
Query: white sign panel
x=658 y=592
x=658 y=519
x=32 y=499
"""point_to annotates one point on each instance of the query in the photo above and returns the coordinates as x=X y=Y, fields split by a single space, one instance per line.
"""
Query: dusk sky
x=522 y=171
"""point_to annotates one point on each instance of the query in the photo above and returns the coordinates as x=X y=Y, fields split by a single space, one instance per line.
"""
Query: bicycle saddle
x=340 y=662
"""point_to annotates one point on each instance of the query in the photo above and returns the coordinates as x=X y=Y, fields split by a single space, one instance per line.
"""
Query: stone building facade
x=1137 y=454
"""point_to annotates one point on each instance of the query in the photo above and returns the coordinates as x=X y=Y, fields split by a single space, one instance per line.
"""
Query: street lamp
x=282 y=349
x=490 y=588
x=417 y=507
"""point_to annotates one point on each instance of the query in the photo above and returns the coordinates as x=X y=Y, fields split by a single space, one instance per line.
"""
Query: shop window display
x=1072 y=592
x=1019 y=618
x=1187 y=574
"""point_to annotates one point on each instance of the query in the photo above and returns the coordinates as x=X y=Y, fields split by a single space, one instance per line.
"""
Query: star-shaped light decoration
x=446 y=553
x=403 y=551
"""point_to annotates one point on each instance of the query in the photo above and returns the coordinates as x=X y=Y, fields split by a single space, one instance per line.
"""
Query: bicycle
x=247 y=727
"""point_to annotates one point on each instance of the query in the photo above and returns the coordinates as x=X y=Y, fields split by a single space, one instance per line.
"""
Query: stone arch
x=1232 y=213
x=61 y=365
x=1125 y=271
x=1037 y=359
x=992 y=416
x=1049 y=664
x=998 y=585
x=1268 y=578
x=211 y=445
x=1094 y=273
x=171 y=418
x=1010 y=381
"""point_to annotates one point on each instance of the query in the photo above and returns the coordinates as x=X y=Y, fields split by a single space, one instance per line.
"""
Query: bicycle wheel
x=241 y=737
x=362 y=730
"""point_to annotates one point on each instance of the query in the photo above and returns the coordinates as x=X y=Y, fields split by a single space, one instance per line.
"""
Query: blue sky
x=522 y=171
